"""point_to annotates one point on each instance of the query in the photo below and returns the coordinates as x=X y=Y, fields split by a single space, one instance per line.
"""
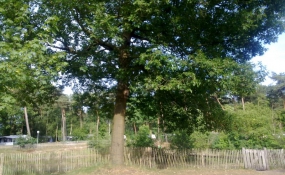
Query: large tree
x=120 y=43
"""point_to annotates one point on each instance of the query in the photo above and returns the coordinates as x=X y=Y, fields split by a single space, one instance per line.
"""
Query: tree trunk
x=135 y=128
x=242 y=101
x=27 y=121
x=56 y=133
x=97 y=125
x=47 y=124
x=219 y=102
x=80 y=118
x=280 y=124
x=158 y=134
x=63 y=128
x=272 y=117
x=118 y=127
x=70 y=132
x=109 y=125
x=161 y=122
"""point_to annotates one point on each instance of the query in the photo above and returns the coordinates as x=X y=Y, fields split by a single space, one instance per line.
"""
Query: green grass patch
x=88 y=170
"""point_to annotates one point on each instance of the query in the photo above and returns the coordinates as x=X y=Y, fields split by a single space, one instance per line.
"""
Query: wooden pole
x=1 y=163
x=27 y=121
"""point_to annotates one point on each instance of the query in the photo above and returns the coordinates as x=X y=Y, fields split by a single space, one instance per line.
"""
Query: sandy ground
x=139 y=171
x=45 y=147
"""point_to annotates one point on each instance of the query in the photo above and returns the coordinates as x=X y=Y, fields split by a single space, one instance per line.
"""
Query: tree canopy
x=167 y=46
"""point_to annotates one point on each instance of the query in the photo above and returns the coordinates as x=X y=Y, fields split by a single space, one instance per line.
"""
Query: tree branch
x=139 y=37
x=67 y=49
x=106 y=45
x=219 y=101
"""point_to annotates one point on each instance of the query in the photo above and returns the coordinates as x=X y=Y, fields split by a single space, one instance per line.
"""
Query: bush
x=26 y=142
x=200 y=140
x=102 y=144
x=142 y=138
x=80 y=133
x=222 y=141
x=181 y=140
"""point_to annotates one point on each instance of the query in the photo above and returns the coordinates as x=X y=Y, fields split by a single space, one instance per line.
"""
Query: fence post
x=265 y=160
x=244 y=158
x=1 y=163
x=202 y=159
x=282 y=155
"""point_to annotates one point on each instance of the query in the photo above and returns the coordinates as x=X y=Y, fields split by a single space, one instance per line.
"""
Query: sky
x=274 y=58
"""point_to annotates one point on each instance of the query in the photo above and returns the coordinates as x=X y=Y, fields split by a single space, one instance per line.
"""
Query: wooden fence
x=67 y=160
x=50 y=162
x=263 y=159
x=162 y=158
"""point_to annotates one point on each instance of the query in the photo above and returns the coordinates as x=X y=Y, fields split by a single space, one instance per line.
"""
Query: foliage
x=11 y=121
x=117 y=45
x=26 y=142
x=246 y=80
x=252 y=127
x=101 y=143
x=142 y=138
x=256 y=127
x=279 y=88
x=181 y=140
x=80 y=133
x=220 y=141
x=171 y=92
x=199 y=140
x=28 y=69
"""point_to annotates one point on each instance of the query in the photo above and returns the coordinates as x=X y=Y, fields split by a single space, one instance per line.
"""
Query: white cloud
x=273 y=58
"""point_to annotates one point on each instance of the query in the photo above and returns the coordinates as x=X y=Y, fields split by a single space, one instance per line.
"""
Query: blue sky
x=273 y=58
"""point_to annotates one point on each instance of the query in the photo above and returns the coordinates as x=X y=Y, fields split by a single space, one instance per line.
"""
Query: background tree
x=27 y=67
x=64 y=104
x=246 y=80
x=98 y=104
x=279 y=88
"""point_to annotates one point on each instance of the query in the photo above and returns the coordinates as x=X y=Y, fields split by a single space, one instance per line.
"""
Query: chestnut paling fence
x=263 y=159
x=63 y=161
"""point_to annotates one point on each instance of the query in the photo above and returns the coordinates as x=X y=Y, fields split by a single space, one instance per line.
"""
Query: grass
x=100 y=169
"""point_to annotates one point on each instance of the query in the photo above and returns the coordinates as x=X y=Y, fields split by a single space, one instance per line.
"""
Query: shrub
x=142 y=138
x=80 y=133
x=222 y=142
x=102 y=143
x=199 y=140
x=26 y=142
x=181 y=140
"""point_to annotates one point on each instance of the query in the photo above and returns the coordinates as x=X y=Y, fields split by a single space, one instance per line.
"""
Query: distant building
x=9 y=140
